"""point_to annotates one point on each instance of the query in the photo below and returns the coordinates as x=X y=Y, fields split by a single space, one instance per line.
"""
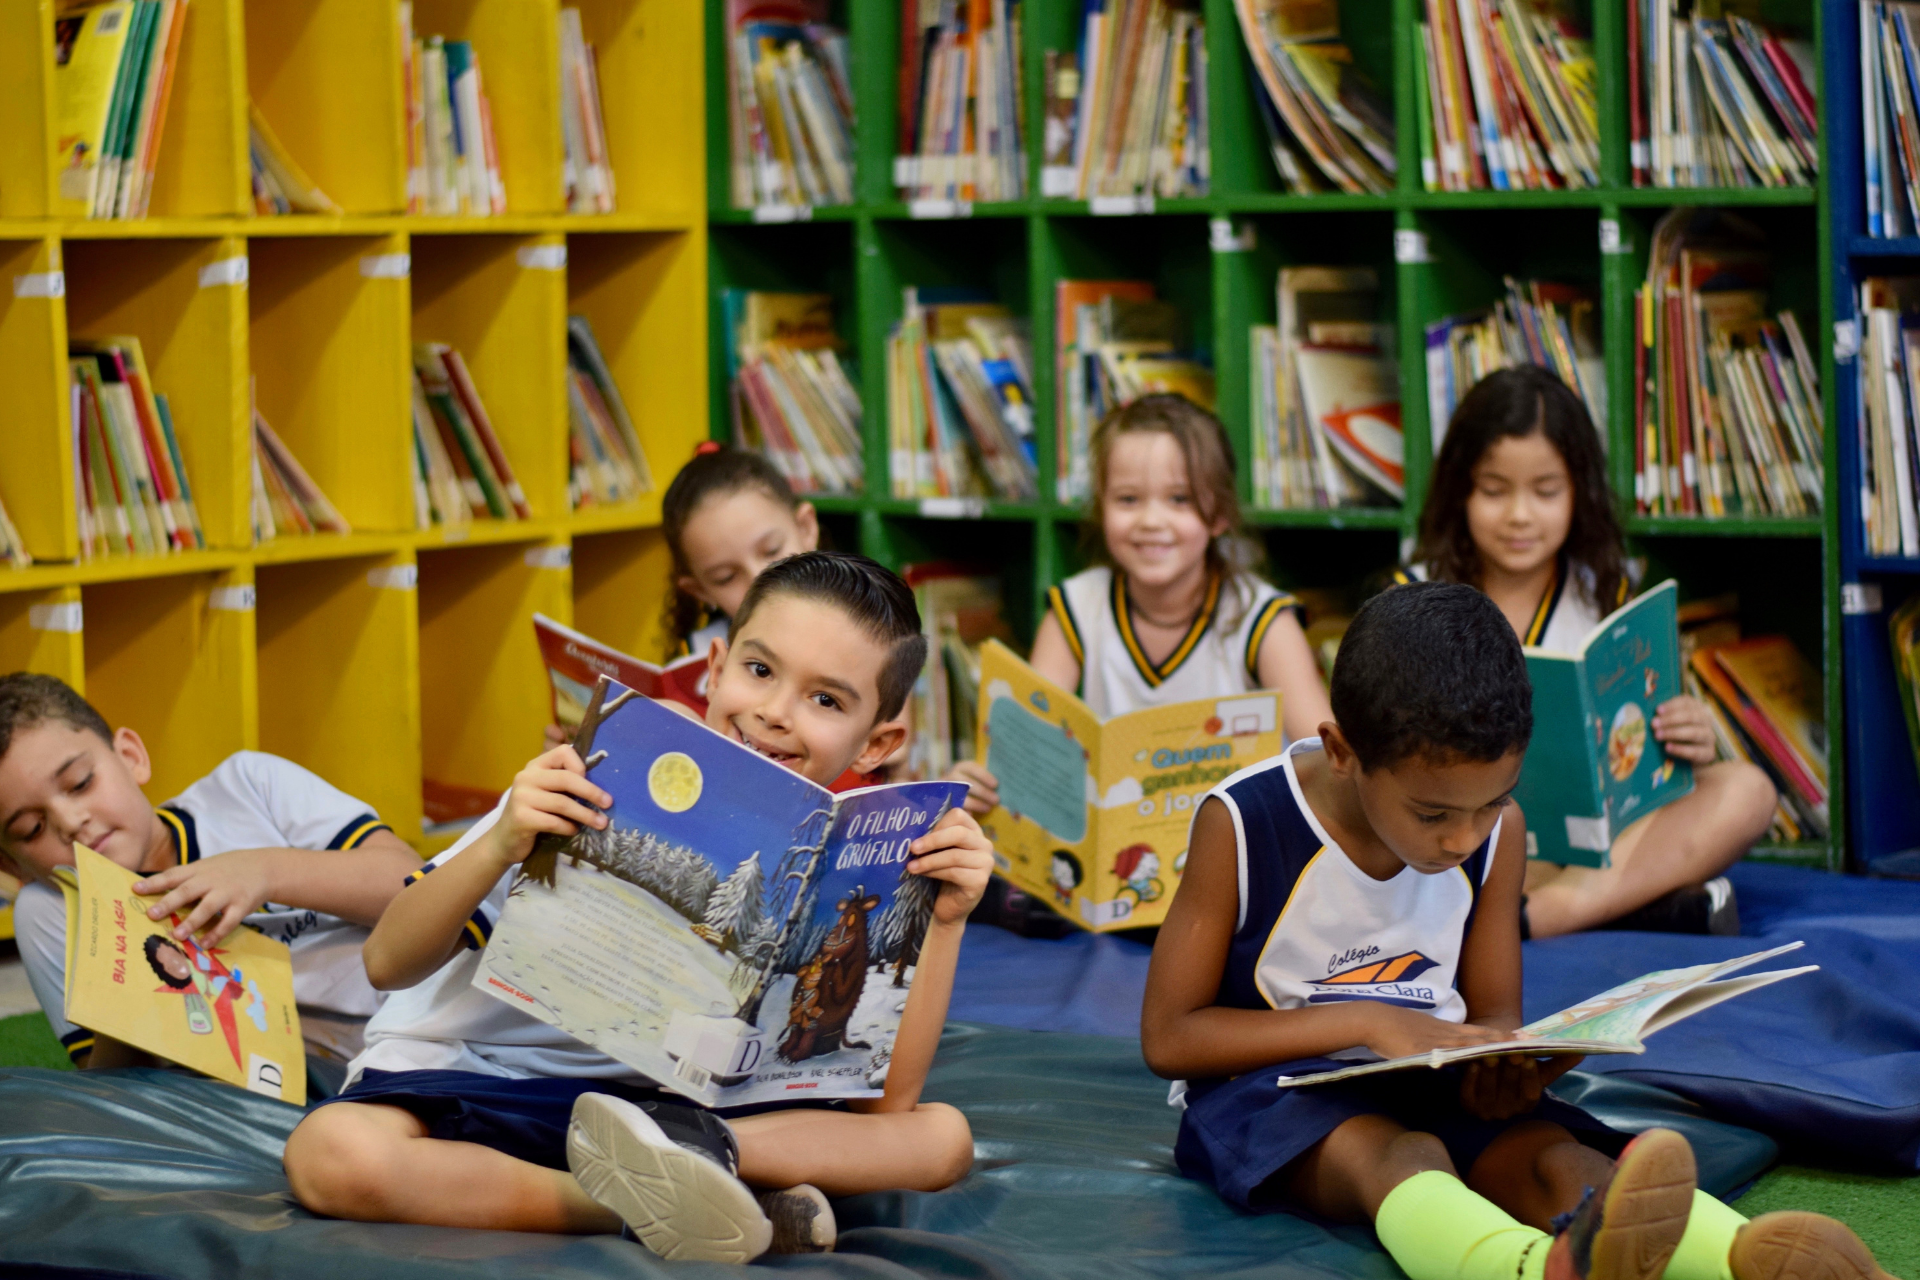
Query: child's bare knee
x=335 y=1160
x=1755 y=794
x=951 y=1137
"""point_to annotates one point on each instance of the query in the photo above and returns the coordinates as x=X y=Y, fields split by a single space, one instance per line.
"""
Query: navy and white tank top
x=1315 y=929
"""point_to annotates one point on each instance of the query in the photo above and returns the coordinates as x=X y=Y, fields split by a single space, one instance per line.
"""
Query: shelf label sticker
x=1846 y=340
x=237 y=599
x=63 y=617
x=783 y=213
x=1410 y=246
x=1119 y=206
x=40 y=284
x=1058 y=181
x=906 y=171
x=1224 y=237
x=387 y=266
x=227 y=271
x=455 y=532
x=953 y=508
x=555 y=557
x=541 y=257
x=1611 y=241
x=940 y=209
x=1857 y=598
x=394 y=577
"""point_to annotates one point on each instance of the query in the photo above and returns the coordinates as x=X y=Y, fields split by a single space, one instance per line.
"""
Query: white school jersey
x=446 y=1024
x=1566 y=614
x=1218 y=657
x=251 y=801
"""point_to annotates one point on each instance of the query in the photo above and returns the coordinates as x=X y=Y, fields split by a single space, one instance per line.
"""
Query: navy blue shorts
x=526 y=1119
x=1237 y=1134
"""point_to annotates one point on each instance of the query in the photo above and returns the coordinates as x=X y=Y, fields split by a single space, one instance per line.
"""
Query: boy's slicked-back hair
x=1431 y=670
x=875 y=598
x=27 y=699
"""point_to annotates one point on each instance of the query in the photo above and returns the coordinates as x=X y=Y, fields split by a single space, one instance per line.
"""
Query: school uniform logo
x=1367 y=976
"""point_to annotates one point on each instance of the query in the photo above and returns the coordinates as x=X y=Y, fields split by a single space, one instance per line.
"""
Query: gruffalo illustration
x=827 y=988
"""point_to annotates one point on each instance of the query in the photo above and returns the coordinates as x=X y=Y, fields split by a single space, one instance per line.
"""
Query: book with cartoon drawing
x=1594 y=765
x=737 y=933
x=225 y=1010
x=1617 y=1020
x=1093 y=814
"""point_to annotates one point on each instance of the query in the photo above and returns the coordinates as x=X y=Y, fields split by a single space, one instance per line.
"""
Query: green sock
x=1438 y=1229
x=1703 y=1250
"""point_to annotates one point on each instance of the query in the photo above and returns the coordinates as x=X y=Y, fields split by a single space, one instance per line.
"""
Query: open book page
x=1093 y=816
x=736 y=933
x=575 y=660
x=1615 y=1021
x=225 y=1010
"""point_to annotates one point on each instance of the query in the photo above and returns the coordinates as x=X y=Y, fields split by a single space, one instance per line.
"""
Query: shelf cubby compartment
x=186 y=300
x=338 y=652
x=501 y=301
x=645 y=296
x=1778 y=581
x=173 y=659
x=26 y=111
x=650 y=97
x=40 y=632
x=617 y=597
x=331 y=367
x=518 y=45
x=202 y=169
x=484 y=700
x=36 y=449
x=326 y=74
x=1006 y=547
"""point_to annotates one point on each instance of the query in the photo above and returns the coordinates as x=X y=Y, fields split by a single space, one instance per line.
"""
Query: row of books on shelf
x=961 y=102
x=789 y=105
x=453 y=160
x=1126 y=115
x=1328 y=127
x=1727 y=408
x=286 y=501
x=790 y=396
x=1553 y=325
x=1890 y=116
x=114 y=65
x=1903 y=630
x=1889 y=426
x=960 y=399
x=133 y=495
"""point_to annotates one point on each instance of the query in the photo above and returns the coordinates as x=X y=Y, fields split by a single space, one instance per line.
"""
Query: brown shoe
x=1795 y=1245
x=1629 y=1230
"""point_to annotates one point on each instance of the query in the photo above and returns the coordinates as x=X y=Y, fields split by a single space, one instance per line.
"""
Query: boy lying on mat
x=259 y=841
x=1362 y=890
x=464 y=1111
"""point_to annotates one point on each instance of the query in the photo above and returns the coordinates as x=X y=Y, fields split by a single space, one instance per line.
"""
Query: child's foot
x=1793 y=1245
x=802 y=1220
x=1630 y=1229
x=677 y=1191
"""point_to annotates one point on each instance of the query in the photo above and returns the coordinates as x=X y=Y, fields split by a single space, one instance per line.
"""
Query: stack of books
x=1727 y=412
x=959 y=399
x=1326 y=395
x=1766 y=705
x=453 y=162
x=1114 y=342
x=1505 y=98
x=134 y=497
x=445 y=393
x=608 y=465
x=960 y=609
x=1890 y=117
x=1890 y=414
x=792 y=399
x=280 y=185
x=113 y=76
x=1131 y=106
x=960 y=103
x=1718 y=102
x=1555 y=326
x=789 y=105
x=1327 y=126
x=285 y=498
x=587 y=173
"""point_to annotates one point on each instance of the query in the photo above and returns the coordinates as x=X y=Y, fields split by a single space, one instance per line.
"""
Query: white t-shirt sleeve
x=40 y=931
x=479 y=926
x=303 y=809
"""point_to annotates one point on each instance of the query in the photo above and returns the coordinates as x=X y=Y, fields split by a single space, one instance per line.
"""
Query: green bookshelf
x=1217 y=257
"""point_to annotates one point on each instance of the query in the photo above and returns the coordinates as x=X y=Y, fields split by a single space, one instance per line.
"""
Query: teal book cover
x=1594 y=766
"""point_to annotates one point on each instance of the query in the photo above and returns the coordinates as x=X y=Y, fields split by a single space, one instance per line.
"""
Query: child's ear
x=883 y=740
x=807 y=521
x=716 y=659
x=127 y=745
x=1340 y=755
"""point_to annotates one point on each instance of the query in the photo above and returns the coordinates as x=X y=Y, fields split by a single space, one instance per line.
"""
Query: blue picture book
x=737 y=933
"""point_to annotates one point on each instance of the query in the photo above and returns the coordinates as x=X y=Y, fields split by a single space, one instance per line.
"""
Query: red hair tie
x=705 y=447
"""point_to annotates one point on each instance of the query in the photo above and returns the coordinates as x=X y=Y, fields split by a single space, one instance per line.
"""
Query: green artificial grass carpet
x=27 y=1041
x=1885 y=1212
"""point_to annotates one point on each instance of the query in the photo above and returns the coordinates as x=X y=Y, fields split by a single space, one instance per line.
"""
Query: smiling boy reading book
x=468 y=1111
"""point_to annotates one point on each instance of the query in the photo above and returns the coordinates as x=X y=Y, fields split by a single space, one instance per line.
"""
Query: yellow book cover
x=226 y=1010
x=1093 y=816
x=88 y=43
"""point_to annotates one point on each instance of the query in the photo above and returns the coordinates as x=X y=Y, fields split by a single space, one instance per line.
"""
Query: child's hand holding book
x=1511 y=1084
x=1684 y=726
x=958 y=854
x=552 y=795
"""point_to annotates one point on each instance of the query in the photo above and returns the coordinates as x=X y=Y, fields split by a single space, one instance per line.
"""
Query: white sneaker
x=679 y=1202
x=1723 y=908
x=802 y=1220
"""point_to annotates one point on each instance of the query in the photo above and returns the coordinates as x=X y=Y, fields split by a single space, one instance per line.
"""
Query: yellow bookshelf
x=388 y=655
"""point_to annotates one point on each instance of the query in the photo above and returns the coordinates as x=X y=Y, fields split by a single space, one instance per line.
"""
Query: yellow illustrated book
x=88 y=43
x=1093 y=816
x=226 y=1010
